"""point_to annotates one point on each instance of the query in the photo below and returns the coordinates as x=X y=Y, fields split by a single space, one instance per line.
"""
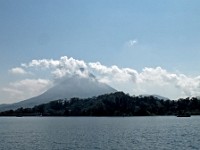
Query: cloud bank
x=148 y=81
x=59 y=68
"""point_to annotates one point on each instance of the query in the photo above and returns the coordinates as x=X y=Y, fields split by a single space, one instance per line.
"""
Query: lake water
x=95 y=133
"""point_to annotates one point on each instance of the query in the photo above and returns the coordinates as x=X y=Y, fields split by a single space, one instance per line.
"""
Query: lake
x=99 y=133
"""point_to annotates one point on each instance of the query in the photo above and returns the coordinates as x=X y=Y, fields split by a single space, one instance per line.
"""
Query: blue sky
x=163 y=34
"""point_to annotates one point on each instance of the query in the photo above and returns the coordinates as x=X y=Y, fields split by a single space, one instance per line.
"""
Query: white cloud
x=131 y=43
x=189 y=86
x=59 y=68
x=26 y=88
x=18 y=70
x=114 y=73
x=157 y=75
x=148 y=81
x=43 y=63
x=161 y=80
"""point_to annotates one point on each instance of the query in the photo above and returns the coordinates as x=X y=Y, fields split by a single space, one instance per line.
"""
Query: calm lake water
x=93 y=133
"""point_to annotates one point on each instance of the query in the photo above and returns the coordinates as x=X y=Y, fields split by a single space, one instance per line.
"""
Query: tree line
x=114 y=104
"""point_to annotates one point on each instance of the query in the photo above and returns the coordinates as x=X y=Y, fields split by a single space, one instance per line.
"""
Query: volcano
x=76 y=86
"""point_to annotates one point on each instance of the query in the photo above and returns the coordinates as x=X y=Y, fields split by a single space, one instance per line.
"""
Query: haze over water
x=90 y=133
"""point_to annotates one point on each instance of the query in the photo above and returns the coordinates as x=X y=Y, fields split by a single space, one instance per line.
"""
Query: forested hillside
x=114 y=104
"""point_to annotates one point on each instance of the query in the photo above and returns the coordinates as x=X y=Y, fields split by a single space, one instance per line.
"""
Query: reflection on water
x=90 y=133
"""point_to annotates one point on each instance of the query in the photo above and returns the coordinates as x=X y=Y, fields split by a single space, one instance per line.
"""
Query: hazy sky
x=138 y=46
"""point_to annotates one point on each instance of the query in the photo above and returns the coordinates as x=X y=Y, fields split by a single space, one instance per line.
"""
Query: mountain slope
x=70 y=87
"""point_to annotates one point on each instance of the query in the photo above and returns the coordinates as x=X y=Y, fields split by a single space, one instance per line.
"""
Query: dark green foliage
x=114 y=104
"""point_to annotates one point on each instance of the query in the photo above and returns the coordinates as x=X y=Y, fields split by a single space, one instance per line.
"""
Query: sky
x=136 y=46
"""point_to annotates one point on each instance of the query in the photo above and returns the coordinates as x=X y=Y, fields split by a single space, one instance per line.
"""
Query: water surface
x=93 y=133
